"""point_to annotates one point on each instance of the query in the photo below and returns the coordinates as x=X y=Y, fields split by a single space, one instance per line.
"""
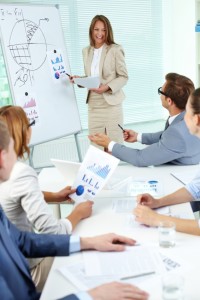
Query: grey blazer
x=175 y=145
x=112 y=71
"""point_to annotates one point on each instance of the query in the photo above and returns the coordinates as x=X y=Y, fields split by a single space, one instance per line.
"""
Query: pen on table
x=121 y=127
x=138 y=275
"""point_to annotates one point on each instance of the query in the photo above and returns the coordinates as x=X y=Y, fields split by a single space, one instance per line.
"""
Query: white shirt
x=96 y=61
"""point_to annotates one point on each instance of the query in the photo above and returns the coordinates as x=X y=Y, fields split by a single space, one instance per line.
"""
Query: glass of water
x=172 y=287
x=167 y=234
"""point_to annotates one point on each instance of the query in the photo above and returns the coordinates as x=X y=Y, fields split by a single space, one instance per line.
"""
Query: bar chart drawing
x=99 y=170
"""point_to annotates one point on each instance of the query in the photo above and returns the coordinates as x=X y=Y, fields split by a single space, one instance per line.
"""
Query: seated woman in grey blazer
x=23 y=201
x=190 y=192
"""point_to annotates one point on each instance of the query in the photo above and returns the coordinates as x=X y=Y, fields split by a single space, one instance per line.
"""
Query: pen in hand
x=121 y=127
x=70 y=77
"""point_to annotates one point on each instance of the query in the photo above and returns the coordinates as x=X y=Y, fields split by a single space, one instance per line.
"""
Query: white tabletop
x=104 y=220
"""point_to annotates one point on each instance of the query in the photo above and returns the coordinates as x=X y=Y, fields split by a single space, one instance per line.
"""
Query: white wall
x=179 y=38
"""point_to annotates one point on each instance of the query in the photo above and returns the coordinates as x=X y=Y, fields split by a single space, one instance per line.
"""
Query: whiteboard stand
x=30 y=158
x=78 y=147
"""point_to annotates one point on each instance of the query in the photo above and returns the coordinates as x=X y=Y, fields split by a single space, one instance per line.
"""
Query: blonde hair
x=109 y=38
x=17 y=123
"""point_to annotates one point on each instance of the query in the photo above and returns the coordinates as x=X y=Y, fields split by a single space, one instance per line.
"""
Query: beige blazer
x=24 y=204
x=112 y=71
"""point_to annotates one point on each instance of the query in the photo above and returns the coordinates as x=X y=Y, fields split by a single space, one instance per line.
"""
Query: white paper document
x=135 y=261
x=127 y=204
x=117 y=183
x=76 y=274
x=90 y=82
x=140 y=264
x=94 y=172
x=124 y=204
x=153 y=187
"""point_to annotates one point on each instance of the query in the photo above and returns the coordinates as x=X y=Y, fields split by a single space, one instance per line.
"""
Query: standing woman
x=104 y=58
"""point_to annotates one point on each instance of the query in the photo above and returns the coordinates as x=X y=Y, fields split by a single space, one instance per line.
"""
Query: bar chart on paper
x=99 y=170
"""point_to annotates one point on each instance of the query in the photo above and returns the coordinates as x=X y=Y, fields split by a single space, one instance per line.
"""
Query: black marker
x=70 y=77
x=121 y=128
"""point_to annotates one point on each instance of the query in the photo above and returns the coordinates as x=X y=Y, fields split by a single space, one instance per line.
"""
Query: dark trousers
x=195 y=205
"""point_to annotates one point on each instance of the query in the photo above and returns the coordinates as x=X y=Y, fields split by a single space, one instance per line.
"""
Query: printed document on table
x=153 y=187
x=90 y=82
x=144 y=259
x=124 y=204
x=94 y=172
x=127 y=204
x=135 y=261
x=76 y=274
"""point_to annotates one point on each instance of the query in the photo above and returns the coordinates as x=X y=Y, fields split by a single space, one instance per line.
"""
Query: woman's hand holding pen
x=71 y=77
x=130 y=136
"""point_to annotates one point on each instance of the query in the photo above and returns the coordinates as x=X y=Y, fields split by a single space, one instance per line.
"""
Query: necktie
x=167 y=123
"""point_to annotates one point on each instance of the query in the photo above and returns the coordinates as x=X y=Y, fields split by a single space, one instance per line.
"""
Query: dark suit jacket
x=15 y=279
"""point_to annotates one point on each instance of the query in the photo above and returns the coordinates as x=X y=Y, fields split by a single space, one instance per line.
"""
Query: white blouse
x=96 y=61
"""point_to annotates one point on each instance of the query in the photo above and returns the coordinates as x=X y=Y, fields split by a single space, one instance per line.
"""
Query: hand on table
x=107 y=242
x=146 y=215
x=147 y=200
x=117 y=291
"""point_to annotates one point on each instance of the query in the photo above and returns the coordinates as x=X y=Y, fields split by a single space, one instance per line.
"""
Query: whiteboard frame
x=76 y=132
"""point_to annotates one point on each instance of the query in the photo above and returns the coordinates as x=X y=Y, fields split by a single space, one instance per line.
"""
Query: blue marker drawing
x=80 y=190
x=57 y=75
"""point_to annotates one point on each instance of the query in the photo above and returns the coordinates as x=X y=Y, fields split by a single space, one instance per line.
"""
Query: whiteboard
x=36 y=62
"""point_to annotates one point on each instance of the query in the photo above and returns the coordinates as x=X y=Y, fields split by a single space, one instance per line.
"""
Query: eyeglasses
x=161 y=92
x=32 y=123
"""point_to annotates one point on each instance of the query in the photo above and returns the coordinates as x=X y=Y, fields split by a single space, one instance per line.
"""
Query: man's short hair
x=4 y=136
x=178 y=88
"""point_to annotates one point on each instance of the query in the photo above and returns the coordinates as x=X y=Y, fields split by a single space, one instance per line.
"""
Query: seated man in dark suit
x=15 y=279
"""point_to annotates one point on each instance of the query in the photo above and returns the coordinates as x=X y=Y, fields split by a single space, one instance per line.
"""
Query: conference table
x=104 y=219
